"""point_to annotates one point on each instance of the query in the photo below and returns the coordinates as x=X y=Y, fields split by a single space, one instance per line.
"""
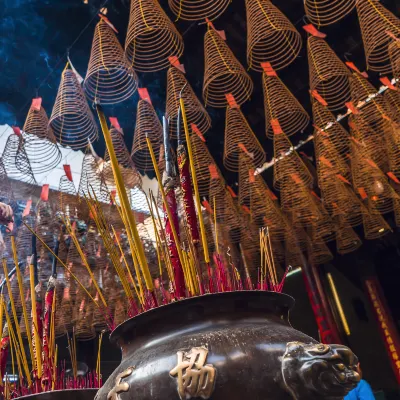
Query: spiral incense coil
x=72 y=120
x=195 y=111
x=393 y=150
x=375 y=22
x=16 y=162
x=129 y=174
x=289 y=164
x=147 y=125
x=198 y=10
x=45 y=228
x=281 y=105
x=394 y=53
x=239 y=137
x=66 y=309
x=67 y=200
x=392 y=99
x=271 y=37
x=91 y=177
x=5 y=185
x=327 y=12
x=223 y=73
x=376 y=111
x=328 y=75
x=39 y=142
x=83 y=329
x=322 y=229
x=318 y=251
x=109 y=79
x=375 y=226
x=325 y=121
x=151 y=38
x=347 y=239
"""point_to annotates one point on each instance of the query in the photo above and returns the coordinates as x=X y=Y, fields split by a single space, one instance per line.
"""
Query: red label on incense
x=207 y=206
x=363 y=193
x=371 y=163
x=325 y=162
x=196 y=130
x=27 y=209
x=230 y=190
x=246 y=209
x=352 y=66
x=220 y=33
x=16 y=130
x=174 y=60
x=343 y=179
x=45 y=193
x=315 y=195
x=231 y=100
x=350 y=105
x=319 y=130
x=276 y=127
x=386 y=81
x=267 y=68
x=112 y=196
x=10 y=226
x=67 y=170
x=296 y=178
x=213 y=171
x=271 y=194
x=312 y=30
x=392 y=176
x=243 y=147
x=36 y=103
x=318 y=97
x=115 y=124
x=252 y=178
x=107 y=21
x=144 y=95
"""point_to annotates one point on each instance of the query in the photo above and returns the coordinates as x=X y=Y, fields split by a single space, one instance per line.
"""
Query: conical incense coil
x=288 y=162
x=328 y=75
x=271 y=37
x=16 y=162
x=90 y=177
x=394 y=53
x=323 y=228
x=375 y=226
x=239 y=137
x=347 y=239
x=195 y=111
x=393 y=149
x=147 y=125
x=67 y=200
x=318 y=251
x=326 y=126
x=198 y=10
x=45 y=226
x=40 y=142
x=110 y=78
x=5 y=185
x=66 y=310
x=327 y=12
x=83 y=327
x=223 y=73
x=129 y=173
x=72 y=120
x=392 y=99
x=376 y=111
x=375 y=22
x=151 y=38
x=281 y=105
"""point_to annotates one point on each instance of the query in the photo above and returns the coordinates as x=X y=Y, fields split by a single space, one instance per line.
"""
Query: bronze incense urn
x=69 y=394
x=226 y=346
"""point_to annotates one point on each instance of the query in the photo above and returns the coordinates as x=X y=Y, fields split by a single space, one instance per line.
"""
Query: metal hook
x=184 y=86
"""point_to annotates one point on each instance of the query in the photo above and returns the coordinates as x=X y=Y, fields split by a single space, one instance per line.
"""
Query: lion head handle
x=319 y=371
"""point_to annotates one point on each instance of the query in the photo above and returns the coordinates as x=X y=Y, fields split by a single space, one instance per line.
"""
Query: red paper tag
x=325 y=161
x=252 y=178
x=386 y=81
x=16 y=130
x=213 y=171
x=207 y=206
x=315 y=195
x=67 y=170
x=318 y=97
x=276 y=127
x=271 y=194
x=196 y=130
x=343 y=179
x=352 y=125
x=107 y=21
x=174 y=60
x=352 y=108
x=320 y=130
x=144 y=95
x=230 y=190
x=45 y=193
x=243 y=147
x=267 y=67
x=231 y=101
x=311 y=29
x=371 y=163
x=363 y=193
x=10 y=226
x=115 y=124
x=220 y=33
x=352 y=66
x=113 y=194
x=296 y=178
x=392 y=176
x=246 y=209
x=36 y=103
x=27 y=209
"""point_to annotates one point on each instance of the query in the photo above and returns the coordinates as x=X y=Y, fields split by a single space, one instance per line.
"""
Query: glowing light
x=293 y=272
x=381 y=230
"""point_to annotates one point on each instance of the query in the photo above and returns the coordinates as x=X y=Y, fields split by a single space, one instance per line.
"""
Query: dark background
x=35 y=37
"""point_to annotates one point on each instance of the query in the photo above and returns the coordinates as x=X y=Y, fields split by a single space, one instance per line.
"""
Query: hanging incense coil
x=198 y=10
x=119 y=314
x=347 y=239
x=323 y=228
x=5 y=185
x=375 y=22
x=195 y=111
x=281 y=105
x=318 y=251
x=288 y=162
x=392 y=99
x=147 y=125
x=46 y=229
x=223 y=73
x=328 y=75
x=130 y=176
x=393 y=149
x=39 y=142
x=323 y=12
x=66 y=309
x=271 y=37
x=71 y=119
x=151 y=38
x=16 y=162
x=376 y=111
x=240 y=137
x=83 y=327
x=68 y=203
x=91 y=176
x=394 y=53
x=375 y=226
x=109 y=79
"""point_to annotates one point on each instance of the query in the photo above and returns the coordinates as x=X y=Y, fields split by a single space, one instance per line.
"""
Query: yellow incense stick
x=1 y=328
x=124 y=201
x=195 y=186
